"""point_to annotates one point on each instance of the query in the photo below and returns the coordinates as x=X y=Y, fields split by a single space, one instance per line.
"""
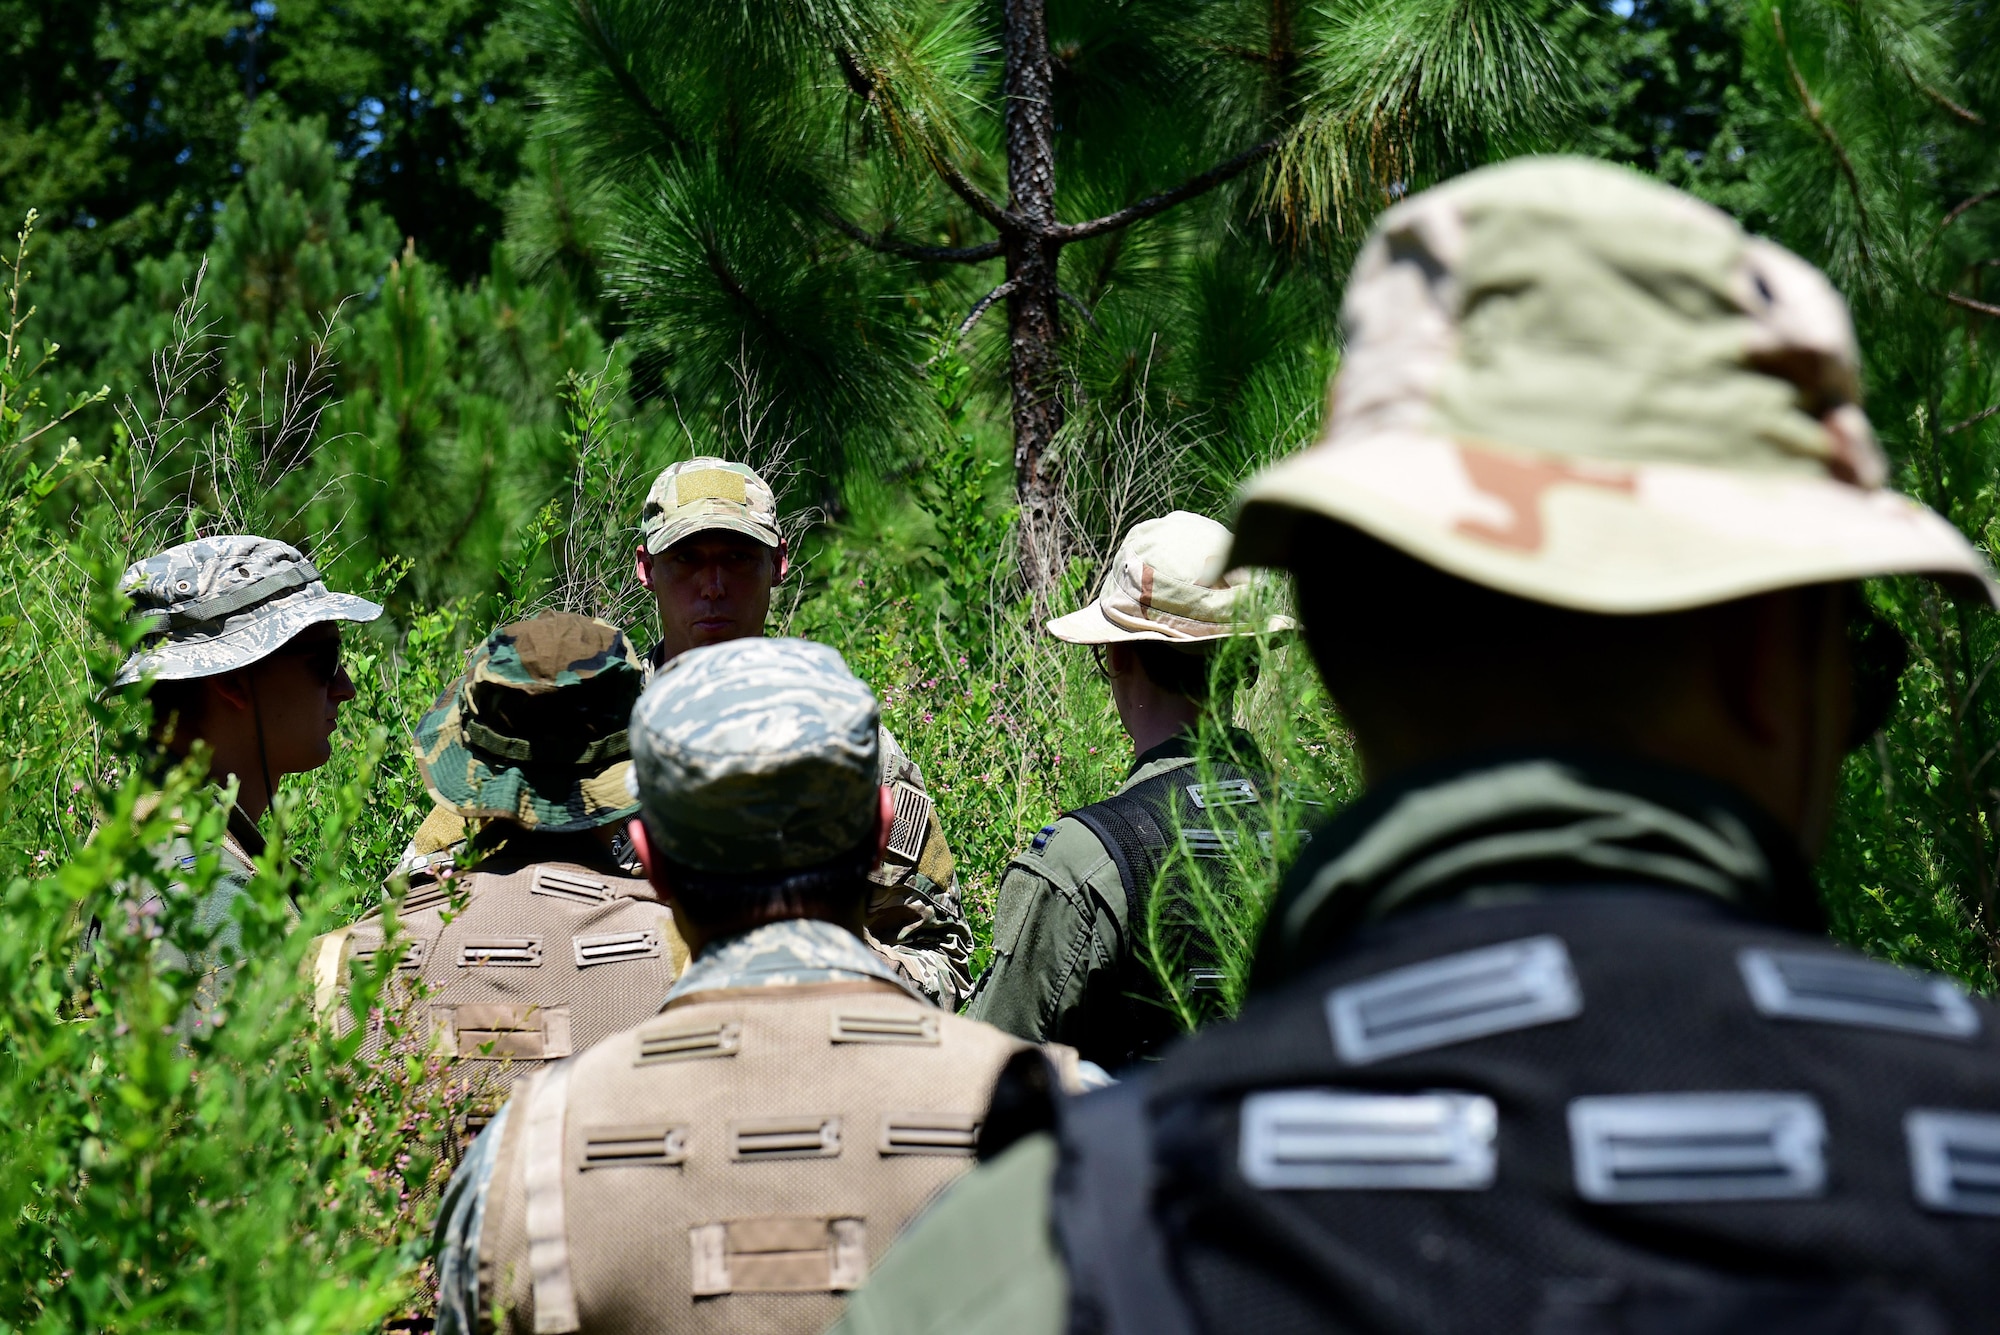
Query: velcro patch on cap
x=711 y=484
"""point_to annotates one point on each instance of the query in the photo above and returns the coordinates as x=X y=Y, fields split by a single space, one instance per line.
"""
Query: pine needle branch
x=1973 y=420
x=1981 y=307
x=600 y=38
x=1166 y=199
x=981 y=203
x=979 y=308
x=910 y=250
x=1815 y=113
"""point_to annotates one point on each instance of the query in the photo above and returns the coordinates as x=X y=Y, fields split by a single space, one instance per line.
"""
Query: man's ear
x=642 y=844
x=784 y=562
x=888 y=816
x=643 y=560
x=230 y=689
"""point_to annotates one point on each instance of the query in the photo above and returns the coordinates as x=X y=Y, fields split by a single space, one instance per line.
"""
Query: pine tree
x=1873 y=151
x=824 y=190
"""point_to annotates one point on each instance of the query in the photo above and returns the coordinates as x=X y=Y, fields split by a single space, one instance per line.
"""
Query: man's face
x=300 y=690
x=710 y=587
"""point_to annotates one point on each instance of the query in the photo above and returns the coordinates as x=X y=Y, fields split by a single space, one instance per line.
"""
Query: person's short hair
x=713 y=899
x=179 y=705
x=1185 y=672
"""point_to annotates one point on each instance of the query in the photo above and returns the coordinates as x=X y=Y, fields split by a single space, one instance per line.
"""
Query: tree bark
x=1034 y=320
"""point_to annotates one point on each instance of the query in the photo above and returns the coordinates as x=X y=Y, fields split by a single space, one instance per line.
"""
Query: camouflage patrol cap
x=1167 y=584
x=698 y=495
x=534 y=731
x=218 y=604
x=758 y=755
x=1571 y=383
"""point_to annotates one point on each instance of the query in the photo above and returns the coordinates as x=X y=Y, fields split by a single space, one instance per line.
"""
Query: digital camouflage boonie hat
x=703 y=494
x=534 y=732
x=1167 y=583
x=1570 y=383
x=757 y=756
x=222 y=603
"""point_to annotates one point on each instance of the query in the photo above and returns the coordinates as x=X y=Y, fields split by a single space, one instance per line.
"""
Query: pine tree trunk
x=1033 y=318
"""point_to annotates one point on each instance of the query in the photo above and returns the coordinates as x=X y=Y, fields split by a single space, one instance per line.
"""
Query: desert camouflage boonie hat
x=757 y=756
x=703 y=494
x=222 y=603
x=1570 y=383
x=534 y=731
x=1167 y=583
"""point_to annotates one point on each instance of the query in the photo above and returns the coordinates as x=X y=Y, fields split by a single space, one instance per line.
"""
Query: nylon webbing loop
x=206 y=611
x=616 y=746
x=542 y=1186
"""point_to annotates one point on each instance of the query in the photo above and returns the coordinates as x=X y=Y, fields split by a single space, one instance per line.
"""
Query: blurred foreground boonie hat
x=758 y=755
x=534 y=732
x=703 y=494
x=1570 y=383
x=1167 y=583
x=222 y=603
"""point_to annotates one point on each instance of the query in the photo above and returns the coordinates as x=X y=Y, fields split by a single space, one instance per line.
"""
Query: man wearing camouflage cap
x=1082 y=935
x=710 y=553
x=243 y=652
x=739 y=1161
x=1545 y=1033
x=542 y=944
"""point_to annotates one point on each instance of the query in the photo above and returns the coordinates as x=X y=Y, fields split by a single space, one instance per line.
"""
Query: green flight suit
x=1061 y=969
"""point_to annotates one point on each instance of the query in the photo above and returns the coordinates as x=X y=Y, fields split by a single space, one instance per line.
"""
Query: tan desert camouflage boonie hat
x=703 y=494
x=1571 y=383
x=1167 y=583
x=218 y=604
x=534 y=731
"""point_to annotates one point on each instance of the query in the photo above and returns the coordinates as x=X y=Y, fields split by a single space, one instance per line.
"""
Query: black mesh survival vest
x=1606 y=1111
x=1206 y=812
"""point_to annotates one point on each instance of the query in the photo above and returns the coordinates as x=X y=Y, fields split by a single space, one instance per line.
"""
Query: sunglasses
x=322 y=659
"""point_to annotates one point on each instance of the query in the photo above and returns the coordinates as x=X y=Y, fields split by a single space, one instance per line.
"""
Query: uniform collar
x=1531 y=823
x=785 y=954
x=1182 y=746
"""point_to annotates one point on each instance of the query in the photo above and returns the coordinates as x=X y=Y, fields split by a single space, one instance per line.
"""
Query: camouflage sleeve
x=1055 y=937
x=915 y=917
x=459 y=1217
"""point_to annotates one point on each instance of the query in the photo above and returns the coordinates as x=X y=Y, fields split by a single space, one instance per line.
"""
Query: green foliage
x=465 y=429
x=233 y=1172
x=771 y=176
x=1873 y=154
x=122 y=121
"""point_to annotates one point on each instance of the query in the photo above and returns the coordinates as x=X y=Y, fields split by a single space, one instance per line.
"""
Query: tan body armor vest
x=537 y=963
x=736 y=1164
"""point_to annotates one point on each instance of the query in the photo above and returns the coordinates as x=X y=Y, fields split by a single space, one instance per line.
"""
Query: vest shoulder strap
x=1135 y=827
x=1121 y=1282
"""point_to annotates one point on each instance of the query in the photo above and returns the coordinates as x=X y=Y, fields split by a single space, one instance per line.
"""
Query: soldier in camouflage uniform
x=710 y=554
x=539 y=943
x=1082 y=926
x=1545 y=1033
x=244 y=656
x=737 y=1162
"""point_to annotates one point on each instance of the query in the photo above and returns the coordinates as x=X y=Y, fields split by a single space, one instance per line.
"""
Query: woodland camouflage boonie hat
x=758 y=755
x=223 y=603
x=1167 y=583
x=703 y=494
x=1573 y=384
x=534 y=732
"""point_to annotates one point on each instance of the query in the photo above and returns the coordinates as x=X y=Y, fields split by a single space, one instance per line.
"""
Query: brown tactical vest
x=733 y=1166
x=535 y=964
